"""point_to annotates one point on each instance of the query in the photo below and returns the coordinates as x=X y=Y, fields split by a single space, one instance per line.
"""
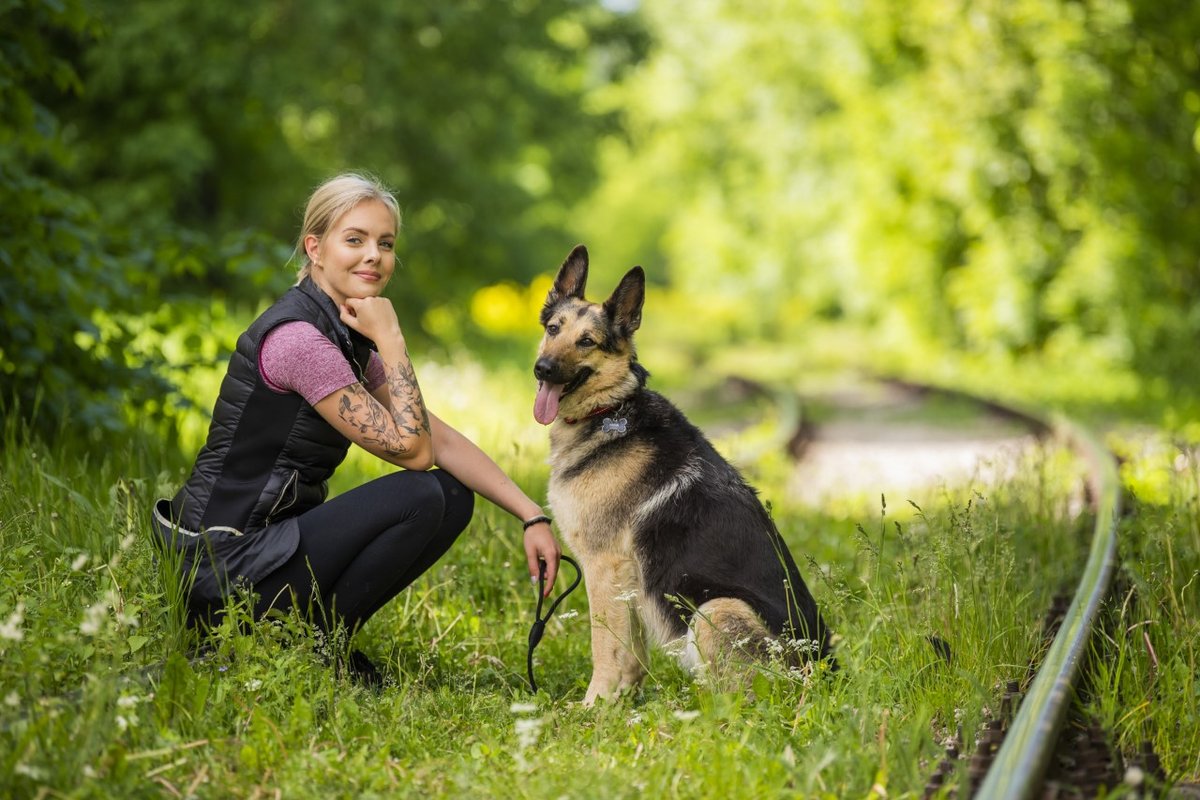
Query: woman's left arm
x=463 y=459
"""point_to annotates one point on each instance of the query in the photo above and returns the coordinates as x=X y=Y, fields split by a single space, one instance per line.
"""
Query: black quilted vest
x=268 y=455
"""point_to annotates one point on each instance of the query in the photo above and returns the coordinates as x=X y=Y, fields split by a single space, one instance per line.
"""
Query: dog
x=674 y=545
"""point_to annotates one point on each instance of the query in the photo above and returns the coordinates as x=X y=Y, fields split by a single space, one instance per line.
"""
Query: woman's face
x=356 y=256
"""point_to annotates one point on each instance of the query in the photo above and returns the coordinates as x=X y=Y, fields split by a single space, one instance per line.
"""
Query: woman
x=324 y=367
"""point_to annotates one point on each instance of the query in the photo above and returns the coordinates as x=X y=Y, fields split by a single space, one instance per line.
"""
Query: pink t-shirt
x=296 y=357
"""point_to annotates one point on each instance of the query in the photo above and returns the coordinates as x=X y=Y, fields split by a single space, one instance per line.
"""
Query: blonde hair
x=330 y=201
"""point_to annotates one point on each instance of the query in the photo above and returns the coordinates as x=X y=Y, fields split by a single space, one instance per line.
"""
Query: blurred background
x=1000 y=195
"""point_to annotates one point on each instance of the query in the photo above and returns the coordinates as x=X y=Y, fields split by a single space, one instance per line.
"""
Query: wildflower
x=80 y=562
x=803 y=674
x=93 y=618
x=125 y=618
x=686 y=716
x=572 y=614
x=634 y=719
x=527 y=731
x=12 y=699
x=625 y=597
x=31 y=772
x=11 y=629
x=122 y=723
x=128 y=701
x=805 y=646
x=253 y=685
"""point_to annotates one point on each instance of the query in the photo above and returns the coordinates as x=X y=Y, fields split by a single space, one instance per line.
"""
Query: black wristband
x=527 y=524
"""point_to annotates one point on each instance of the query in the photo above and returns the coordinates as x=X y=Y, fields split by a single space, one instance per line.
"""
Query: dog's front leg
x=618 y=640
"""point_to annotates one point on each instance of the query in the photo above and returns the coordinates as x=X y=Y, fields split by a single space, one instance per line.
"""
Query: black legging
x=360 y=549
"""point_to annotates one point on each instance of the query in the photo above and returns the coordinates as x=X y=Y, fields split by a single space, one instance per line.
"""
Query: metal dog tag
x=614 y=427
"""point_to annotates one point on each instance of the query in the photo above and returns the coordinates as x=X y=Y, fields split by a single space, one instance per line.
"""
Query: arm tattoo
x=358 y=409
x=408 y=415
x=408 y=407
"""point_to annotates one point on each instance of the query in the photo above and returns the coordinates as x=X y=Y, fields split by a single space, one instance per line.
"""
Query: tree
x=1008 y=179
x=220 y=117
x=156 y=155
x=59 y=281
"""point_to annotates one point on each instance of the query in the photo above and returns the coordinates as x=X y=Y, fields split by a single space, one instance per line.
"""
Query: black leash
x=539 y=625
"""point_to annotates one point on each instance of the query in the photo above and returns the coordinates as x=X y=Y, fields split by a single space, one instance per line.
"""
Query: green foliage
x=1148 y=689
x=221 y=117
x=156 y=156
x=1001 y=180
x=60 y=279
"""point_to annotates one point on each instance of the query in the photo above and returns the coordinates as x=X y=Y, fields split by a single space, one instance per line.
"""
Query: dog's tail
x=804 y=623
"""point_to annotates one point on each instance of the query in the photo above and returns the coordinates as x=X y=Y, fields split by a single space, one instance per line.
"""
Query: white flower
x=527 y=730
x=804 y=646
x=572 y=614
x=93 y=618
x=11 y=629
x=686 y=716
x=34 y=773
x=522 y=708
x=625 y=597
x=12 y=699
x=80 y=562
x=253 y=685
x=128 y=701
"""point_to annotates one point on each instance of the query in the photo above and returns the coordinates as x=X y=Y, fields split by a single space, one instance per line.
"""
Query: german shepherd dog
x=672 y=541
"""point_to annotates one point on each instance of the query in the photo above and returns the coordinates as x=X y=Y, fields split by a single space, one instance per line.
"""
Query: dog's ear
x=624 y=308
x=573 y=276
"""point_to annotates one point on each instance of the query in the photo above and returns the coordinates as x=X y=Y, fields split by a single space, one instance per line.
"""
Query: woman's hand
x=541 y=544
x=373 y=317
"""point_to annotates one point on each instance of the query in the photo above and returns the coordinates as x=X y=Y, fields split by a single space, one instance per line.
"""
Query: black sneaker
x=362 y=670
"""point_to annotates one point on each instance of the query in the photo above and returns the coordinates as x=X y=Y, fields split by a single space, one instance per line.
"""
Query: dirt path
x=868 y=439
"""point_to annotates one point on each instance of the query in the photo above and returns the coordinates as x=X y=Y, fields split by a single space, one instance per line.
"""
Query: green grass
x=1147 y=661
x=97 y=697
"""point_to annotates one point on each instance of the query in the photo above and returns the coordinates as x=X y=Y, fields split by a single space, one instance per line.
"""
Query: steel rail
x=1020 y=763
x=1017 y=769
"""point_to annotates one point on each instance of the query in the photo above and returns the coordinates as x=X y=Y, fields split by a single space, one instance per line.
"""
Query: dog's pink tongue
x=545 y=407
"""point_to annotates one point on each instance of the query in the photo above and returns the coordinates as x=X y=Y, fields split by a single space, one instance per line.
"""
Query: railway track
x=1028 y=751
x=1030 y=742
